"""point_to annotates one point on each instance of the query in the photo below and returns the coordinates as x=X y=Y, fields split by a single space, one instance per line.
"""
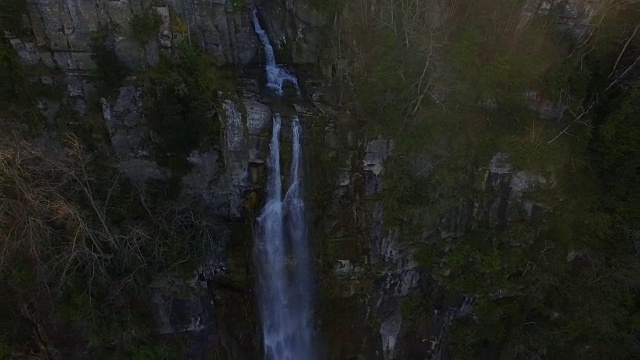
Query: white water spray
x=282 y=254
x=276 y=75
x=282 y=260
x=302 y=280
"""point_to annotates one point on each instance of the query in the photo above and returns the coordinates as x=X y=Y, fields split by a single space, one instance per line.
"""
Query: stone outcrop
x=59 y=32
x=572 y=16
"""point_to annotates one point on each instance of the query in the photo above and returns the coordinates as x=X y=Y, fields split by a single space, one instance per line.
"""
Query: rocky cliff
x=58 y=34
x=375 y=300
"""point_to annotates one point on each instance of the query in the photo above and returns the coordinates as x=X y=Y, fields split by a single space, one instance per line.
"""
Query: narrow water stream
x=282 y=254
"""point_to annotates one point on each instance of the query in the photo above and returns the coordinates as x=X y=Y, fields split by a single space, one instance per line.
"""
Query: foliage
x=496 y=56
x=177 y=23
x=328 y=6
x=551 y=286
x=617 y=160
x=238 y=4
x=12 y=82
x=109 y=72
x=19 y=91
x=11 y=15
x=82 y=244
x=181 y=103
x=144 y=27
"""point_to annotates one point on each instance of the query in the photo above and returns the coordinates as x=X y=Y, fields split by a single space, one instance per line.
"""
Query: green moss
x=12 y=15
x=328 y=6
x=239 y=5
x=144 y=27
x=489 y=62
x=109 y=72
x=183 y=97
x=177 y=24
x=13 y=85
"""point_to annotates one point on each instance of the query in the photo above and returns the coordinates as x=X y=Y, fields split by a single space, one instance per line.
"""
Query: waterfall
x=271 y=260
x=302 y=280
x=283 y=261
x=276 y=75
x=282 y=255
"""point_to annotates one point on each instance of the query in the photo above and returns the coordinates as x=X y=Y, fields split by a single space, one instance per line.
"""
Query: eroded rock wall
x=58 y=33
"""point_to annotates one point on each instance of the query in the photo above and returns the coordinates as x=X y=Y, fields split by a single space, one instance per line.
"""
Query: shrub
x=109 y=70
x=11 y=15
x=81 y=240
x=13 y=86
x=238 y=4
x=144 y=27
x=182 y=93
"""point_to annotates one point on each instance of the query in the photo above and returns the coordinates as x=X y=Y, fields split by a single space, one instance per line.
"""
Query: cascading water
x=271 y=260
x=301 y=285
x=276 y=75
x=282 y=257
x=283 y=261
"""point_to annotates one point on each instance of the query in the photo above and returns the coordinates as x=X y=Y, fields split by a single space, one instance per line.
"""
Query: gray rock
x=124 y=122
x=128 y=52
x=152 y=53
x=246 y=42
x=46 y=80
x=48 y=109
x=258 y=149
x=106 y=114
x=236 y=158
x=500 y=164
x=119 y=14
x=165 y=36
x=179 y=315
x=65 y=26
x=128 y=106
x=258 y=117
x=74 y=86
x=125 y=142
x=343 y=268
x=524 y=181
x=198 y=182
x=27 y=52
x=547 y=109
x=331 y=137
x=64 y=60
x=141 y=171
x=376 y=152
x=80 y=106
x=571 y=16
x=47 y=59
x=88 y=88
x=48 y=26
x=83 y=61
x=234 y=129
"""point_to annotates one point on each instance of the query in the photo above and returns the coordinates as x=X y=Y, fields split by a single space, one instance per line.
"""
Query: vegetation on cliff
x=145 y=26
x=182 y=95
x=81 y=246
x=462 y=83
x=453 y=85
x=109 y=72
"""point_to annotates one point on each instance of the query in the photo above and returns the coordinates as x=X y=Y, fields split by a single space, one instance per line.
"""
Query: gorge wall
x=58 y=33
x=375 y=300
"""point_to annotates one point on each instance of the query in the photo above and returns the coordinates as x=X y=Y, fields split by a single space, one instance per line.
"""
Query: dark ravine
x=376 y=295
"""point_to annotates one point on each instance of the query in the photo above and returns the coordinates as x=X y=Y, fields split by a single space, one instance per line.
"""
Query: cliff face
x=369 y=283
x=58 y=33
